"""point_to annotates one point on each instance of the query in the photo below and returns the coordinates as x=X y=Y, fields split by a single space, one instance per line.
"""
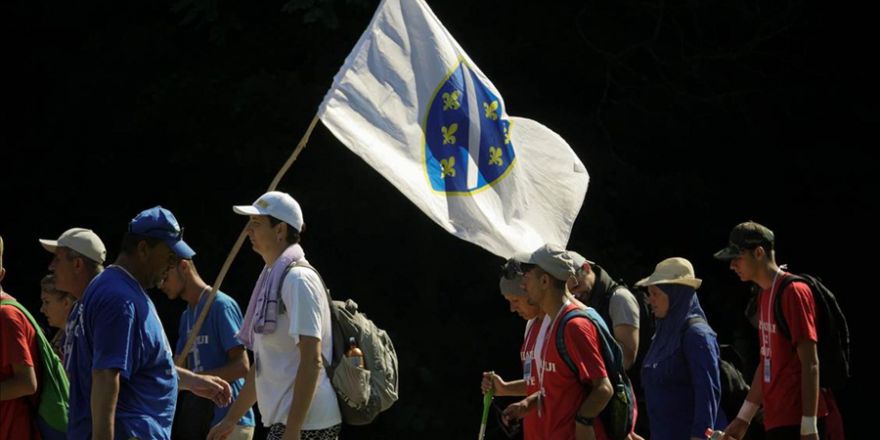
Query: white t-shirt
x=277 y=354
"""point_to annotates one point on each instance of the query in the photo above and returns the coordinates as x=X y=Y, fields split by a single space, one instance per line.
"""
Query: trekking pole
x=487 y=402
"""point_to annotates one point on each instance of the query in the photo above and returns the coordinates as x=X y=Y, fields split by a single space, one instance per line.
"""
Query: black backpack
x=833 y=346
x=601 y=301
x=734 y=387
x=617 y=416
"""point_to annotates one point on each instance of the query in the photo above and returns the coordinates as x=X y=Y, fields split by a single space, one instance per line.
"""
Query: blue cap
x=158 y=222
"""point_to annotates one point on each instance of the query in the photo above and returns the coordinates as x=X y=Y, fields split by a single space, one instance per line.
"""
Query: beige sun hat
x=675 y=270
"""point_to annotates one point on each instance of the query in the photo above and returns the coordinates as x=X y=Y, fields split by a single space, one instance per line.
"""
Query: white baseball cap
x=276 y=204
x=82 y=240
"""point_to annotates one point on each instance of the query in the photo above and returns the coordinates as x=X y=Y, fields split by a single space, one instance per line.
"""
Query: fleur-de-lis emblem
x=495 y=156
x=449 y=133
x=506 y=135
x=447 y=167
x=450 y=100
x=491 y=110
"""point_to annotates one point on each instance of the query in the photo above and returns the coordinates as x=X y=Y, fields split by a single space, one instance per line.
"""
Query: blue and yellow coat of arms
x=467 y=138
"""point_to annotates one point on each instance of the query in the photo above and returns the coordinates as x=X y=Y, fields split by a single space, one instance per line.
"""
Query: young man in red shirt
x=786 y=382
x=19 y=360
x=567 y=403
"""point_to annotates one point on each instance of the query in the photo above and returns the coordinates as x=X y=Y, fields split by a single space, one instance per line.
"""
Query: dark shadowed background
x=690 y=117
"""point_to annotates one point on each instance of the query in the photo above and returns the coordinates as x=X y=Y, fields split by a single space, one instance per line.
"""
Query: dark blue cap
x=158 y=222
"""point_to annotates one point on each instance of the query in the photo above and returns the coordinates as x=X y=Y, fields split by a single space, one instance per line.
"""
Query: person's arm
x=17 y=334
x=625 y=313
x=23 y=382
x=628 y=336
x=236 y=367
x=247 y=397
x=204 y=385
x=105 y=393
x=702 y=356
x=582 y=342
x=737 y=427
x=518 y=410
x=809 y=358
x=304 y=385
x=799 y=309
x=226 y=324
x=600 y=393
x=502 y=388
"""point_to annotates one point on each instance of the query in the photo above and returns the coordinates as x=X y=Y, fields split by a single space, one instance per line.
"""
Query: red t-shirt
x=565 y=392
x=531 y=424
x=18 y=345
x=782 y=394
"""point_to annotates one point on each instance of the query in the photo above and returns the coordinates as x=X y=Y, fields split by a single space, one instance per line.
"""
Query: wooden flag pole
x=181 y=357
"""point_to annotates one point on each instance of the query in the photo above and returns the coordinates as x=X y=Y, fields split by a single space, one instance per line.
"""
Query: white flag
x=410 y=102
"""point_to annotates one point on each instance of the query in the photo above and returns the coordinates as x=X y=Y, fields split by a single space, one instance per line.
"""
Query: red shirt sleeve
x=799 y=309
x=17 y=337
x=583 y=343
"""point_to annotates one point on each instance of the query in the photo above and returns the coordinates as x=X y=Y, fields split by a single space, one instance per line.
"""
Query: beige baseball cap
x=82 y=240
x=552 y=259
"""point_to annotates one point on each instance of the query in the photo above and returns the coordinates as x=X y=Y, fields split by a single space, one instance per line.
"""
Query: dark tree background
x=691 y=116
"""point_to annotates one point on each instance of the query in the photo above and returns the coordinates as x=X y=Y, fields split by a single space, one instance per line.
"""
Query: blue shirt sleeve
x=228 y=323
x=702 y=354
x=113 y=325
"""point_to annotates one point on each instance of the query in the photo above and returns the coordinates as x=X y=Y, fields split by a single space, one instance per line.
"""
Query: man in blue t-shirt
x=216 y=351
x=123 y=382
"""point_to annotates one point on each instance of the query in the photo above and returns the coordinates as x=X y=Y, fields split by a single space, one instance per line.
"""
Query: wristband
x=588 y=421
x=809 y=425
x=747 y=411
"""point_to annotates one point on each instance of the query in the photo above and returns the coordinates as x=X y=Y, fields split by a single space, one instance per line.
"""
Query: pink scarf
x=262 y=310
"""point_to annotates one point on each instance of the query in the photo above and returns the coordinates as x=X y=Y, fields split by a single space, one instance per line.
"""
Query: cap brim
x=49 y=245
x=579 y=259
x=728 y=253
x=247 y=210
x=181 y=249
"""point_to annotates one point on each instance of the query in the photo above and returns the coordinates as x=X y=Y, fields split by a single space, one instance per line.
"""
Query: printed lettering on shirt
x=72 y=330
x=767 y=327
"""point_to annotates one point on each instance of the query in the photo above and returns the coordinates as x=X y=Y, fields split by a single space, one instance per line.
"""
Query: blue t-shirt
x=216 y=337
x=117 y=327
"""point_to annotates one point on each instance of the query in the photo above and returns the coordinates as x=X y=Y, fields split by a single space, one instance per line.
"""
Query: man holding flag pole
x=413 y=105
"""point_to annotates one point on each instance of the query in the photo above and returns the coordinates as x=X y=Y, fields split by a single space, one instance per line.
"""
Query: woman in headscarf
x=680 y=372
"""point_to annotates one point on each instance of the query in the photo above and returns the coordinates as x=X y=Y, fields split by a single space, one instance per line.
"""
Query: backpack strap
x=328 y=366
x=779 y=316
x=613 y=362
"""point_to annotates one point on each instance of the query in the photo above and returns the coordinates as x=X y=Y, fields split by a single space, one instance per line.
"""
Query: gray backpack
x=362 y=392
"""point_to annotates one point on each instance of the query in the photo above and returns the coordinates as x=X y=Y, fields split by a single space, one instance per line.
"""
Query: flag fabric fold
x=411 y=103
